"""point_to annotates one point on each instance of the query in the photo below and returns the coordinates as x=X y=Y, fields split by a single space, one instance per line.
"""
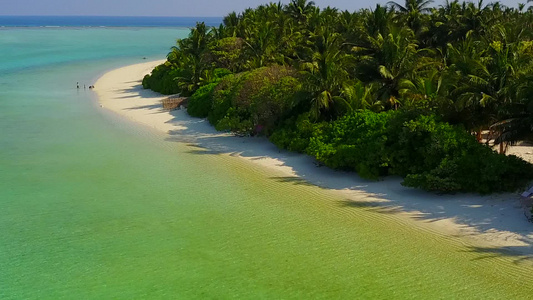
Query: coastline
x=495 y=222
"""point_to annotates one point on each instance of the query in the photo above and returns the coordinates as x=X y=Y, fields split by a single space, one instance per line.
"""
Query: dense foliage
x=162 y=80
x=255 y=101
x=401 y=89
x=430 y=154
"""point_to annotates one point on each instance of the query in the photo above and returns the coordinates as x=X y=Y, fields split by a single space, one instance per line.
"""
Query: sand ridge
x=496 y=222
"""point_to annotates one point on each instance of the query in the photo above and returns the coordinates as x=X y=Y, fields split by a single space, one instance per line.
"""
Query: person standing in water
x=77 y=85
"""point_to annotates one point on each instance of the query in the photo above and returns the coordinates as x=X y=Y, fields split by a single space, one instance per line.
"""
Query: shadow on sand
x=500 y=214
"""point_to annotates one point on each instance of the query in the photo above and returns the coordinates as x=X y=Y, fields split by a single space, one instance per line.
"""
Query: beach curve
x=494 y=222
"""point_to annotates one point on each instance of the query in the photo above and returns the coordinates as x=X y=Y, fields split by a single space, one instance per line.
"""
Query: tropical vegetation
x=407 y=89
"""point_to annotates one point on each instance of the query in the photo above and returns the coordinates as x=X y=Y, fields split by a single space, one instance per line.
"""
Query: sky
x=182 y=8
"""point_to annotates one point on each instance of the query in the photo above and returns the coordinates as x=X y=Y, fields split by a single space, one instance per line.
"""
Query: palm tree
x=513 y=130
x=444 y=26
x=300 y=10
x=377 y=21
x=412 y=6
x=359 y=95
x=388 y=60
x=231 y=21
x=412 y=12
x=476 y=20
x=326 y=73
x=191 y=54
x=429 y=92
x=260 y=42
x=492 y=78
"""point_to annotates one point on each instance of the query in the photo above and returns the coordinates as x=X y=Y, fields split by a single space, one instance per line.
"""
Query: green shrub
x=220 y=73
x=201 y=101
x=430 y=154
x=221 y=101
x=295 y=133
x=260 y=99
x=420 y=144
x=227 y=53
x=354 y=142
x=440 y=179
x=482 y=172
x=162 y=80
x=437 y=156
x=235 y=120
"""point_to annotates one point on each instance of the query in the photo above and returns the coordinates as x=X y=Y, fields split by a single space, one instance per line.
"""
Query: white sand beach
x=495 y=222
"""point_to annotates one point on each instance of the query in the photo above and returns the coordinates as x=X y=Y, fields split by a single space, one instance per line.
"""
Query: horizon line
x=112 y=16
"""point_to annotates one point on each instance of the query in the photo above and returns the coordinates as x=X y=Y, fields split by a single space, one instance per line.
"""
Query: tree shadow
x=485 y=214
x=515 y=253
x=373 y=206
x=149 y=107
x=501 y=213
x=138 y=91
x=293 y=180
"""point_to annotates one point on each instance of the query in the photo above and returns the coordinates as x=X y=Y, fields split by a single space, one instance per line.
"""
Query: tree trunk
x=478 y=136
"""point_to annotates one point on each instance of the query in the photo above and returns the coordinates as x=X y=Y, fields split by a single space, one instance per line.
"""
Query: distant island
x=422 y=92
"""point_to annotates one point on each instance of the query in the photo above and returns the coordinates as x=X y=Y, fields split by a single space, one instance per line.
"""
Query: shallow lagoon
x=95 y=207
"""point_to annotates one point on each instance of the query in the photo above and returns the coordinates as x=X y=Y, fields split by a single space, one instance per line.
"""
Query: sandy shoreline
x=495 y=221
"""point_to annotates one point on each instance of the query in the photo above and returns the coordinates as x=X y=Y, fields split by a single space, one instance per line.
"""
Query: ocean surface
x=95 y=207
x=95 y=21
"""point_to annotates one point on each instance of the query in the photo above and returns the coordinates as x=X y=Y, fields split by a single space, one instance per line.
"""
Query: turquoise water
x=29 y=48
x=92 y=207
x=101 y=21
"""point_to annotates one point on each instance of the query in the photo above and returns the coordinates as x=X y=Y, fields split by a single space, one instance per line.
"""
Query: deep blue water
x=95 y=21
